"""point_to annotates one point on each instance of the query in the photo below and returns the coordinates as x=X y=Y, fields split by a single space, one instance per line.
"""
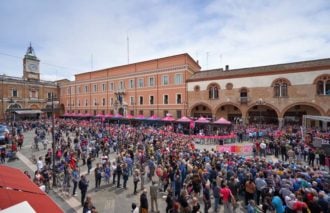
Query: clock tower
x=31 y=65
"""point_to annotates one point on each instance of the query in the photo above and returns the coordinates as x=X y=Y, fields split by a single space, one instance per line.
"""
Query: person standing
x=216 y=196
x=83 y=186
x=136 y=179
x=227 y=197
x=98 y=176
x=207 y=197
x=75 y=180
x=125 y=174
x=40 y=164
x=114 y=172
x=135 y=209
x=144 y=202
x=153 y=195
x=89 y=163
x=119 y=172
x=260 y=185
x=250 y=189
x=263 y=147
x=311 y=157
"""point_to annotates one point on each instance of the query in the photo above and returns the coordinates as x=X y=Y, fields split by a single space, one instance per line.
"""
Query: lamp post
x=260 y=102
x=53 y=141
x=11 y=101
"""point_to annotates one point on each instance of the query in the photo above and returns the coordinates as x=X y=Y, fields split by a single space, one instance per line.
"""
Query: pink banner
x=235 y=148
x=216 y=136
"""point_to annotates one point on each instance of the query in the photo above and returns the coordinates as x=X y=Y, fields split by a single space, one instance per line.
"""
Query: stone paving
x=108 y=198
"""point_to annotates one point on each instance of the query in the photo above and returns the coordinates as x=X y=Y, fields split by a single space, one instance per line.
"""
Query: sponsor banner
x=235 y=148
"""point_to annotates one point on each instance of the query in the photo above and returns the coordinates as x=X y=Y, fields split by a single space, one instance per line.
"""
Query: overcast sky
x=66 y=34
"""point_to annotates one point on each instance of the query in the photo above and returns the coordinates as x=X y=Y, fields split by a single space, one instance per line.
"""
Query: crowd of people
x=191 y=179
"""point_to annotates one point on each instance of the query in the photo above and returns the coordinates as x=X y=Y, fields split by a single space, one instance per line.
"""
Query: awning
x=16 y=187
x=25 y=112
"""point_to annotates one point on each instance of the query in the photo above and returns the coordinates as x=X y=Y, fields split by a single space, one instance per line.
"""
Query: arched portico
x=293 y=113
x=34 y=106
x=200 y=109
x=229 y=111
x=262 y=113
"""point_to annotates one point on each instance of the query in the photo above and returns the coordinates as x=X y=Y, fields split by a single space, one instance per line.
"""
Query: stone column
x=324 y=125
x=280 y=122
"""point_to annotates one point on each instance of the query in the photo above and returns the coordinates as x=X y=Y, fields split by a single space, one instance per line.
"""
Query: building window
x=86 y=111
x=78 y=90
x=111 y=101
x=131 y=99
x=323 y=85
x=78 y=102
x=112 y=86
x=103 y=101
x=213 y=91
x=14 y=93
x=280 y=87
x=69 y=90
x=140 y=112
x=86 y=102
x=33 y=94
x=104 y=87
x=243 y=92
x=178 y=79
x=165 y=79
x=152 y=113
x=86 y=89
x=178 y=113
x=141 y=83
x=131 y=83
x=141 y=100
x=165 y=99
x=196 y=88
x=229 y=86
x=178 y=98
x=131 y=112
x=49 y=95
x=151 y=100
x=95 y=88
x=165 y=113
x=151 y=81
x=121 y=85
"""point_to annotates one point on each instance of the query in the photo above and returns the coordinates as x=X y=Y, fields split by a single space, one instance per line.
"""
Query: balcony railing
x=120 y=91
x=243 y=100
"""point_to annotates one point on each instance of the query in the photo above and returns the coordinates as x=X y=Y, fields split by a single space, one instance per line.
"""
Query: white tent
x=20 y=207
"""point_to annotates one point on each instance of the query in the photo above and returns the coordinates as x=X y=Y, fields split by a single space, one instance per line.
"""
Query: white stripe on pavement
x=72 y=202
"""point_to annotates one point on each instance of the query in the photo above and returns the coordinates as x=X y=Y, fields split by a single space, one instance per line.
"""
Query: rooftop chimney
x=227 y=67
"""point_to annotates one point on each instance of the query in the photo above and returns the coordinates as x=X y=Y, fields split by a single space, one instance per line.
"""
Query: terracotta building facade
x=149 y=88
x=267 y=94
x=28 y=96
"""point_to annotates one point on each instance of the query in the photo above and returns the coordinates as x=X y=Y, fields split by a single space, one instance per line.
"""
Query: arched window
x=323 y=85
x=213 y=91
x=281 y=87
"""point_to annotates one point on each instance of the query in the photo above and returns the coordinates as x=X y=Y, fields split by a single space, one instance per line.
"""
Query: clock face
x=33 y=67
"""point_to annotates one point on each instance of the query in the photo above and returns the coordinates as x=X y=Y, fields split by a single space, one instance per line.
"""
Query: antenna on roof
x=92 y=62
x=207 y=60
x=127 y=49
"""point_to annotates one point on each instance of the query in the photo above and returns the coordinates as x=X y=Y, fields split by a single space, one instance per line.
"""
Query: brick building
x=26 y=97
x=154 y=87
x=279 y=93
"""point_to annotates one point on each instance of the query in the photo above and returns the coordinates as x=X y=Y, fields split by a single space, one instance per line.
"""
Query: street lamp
x=259 y=103
x=53 y=141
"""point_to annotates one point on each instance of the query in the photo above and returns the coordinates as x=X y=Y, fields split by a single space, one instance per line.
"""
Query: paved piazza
x=108 y=199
